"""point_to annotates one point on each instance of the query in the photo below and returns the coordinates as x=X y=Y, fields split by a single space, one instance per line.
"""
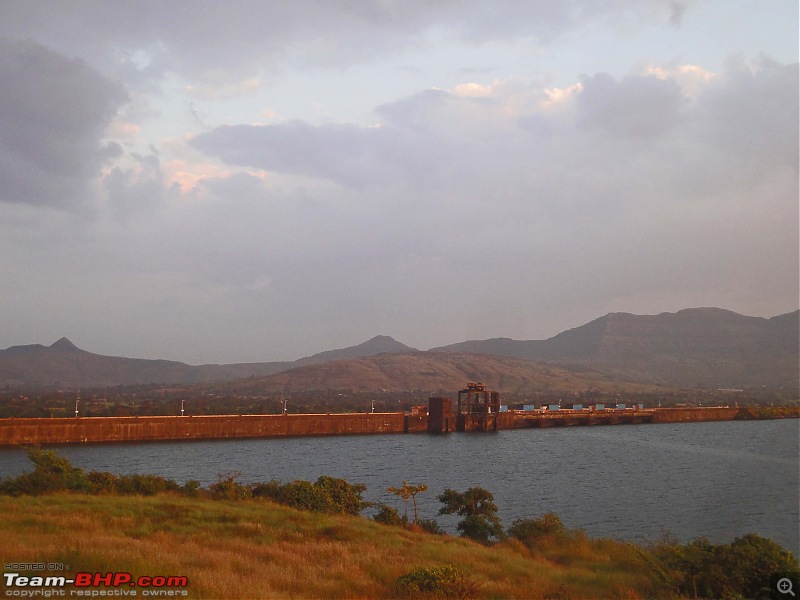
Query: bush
x=103 y=482
x=327 y=494
x=529 y=531
x=389 y=516
x=145 y=485
x=304 y=495
x=344 y=497
x=446 y=581
x=51 y=473
x=190 y=488
x=740 y=569
x=431 y=526
x=227 y=488
x=271 y=490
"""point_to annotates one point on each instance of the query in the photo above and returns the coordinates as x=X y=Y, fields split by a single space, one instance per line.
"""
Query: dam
x=477 y=409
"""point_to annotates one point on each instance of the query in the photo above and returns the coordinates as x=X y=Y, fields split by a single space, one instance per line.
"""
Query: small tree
x=477 y=506
x=406 y=492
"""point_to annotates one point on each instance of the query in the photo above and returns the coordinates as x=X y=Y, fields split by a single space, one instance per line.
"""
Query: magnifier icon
x=784 y=586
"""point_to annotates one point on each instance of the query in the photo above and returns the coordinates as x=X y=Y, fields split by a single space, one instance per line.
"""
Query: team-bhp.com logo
x=94 y=585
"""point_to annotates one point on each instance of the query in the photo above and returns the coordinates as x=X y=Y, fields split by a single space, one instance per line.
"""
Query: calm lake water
x=718 y=480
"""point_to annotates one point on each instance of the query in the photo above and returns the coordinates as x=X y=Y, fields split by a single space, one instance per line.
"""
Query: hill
x=702 y=347
x=432 y=372
x=380 y=344
x=63 y=364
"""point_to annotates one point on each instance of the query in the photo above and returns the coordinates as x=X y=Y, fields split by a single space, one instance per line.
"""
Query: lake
x=718 y=480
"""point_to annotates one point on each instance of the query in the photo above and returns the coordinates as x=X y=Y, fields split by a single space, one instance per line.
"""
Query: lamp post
x=76 y=407
x=182 y=408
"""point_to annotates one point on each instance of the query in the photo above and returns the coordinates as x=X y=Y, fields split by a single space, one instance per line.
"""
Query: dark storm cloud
x=53 y=111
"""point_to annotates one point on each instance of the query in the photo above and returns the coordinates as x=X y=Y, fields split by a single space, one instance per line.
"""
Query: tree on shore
x=477 y=506
x=406 y=492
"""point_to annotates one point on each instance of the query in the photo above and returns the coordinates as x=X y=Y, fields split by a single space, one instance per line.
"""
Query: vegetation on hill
x=236 y=541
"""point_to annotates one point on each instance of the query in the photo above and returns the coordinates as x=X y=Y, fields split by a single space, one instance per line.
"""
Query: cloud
x=344 y=153
x=636 y=106
x=225 y=41
x=556 y=198
x=632 y=190
x=53 y=113
x=140 y=187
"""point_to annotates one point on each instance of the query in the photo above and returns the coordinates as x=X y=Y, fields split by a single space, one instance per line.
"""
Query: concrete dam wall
x=127 y=429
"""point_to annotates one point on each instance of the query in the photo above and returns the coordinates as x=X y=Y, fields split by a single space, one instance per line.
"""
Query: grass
x=257 y=549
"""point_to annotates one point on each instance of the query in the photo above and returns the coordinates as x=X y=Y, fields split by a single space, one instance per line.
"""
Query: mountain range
x=64 y=365
x=690 y=348
x=707 y=347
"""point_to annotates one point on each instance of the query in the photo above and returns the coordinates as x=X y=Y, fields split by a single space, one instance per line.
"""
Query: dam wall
x=125 y=429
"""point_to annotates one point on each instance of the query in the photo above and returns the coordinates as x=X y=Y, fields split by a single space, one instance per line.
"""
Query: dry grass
x=256 y=549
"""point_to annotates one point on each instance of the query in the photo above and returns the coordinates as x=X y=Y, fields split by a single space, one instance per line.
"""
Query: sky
x=251 y=180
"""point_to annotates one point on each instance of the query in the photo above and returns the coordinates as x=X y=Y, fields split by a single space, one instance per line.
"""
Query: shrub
x=739 y=569
x=227 y=488
x=271 y=490
x=327 y=494
x=145 y=485
x=446 y=581
x=305 y=496
x=389 y=516
x=190 y=488
x=529 y=531
x=431 y=526
x=51 y=473
x=103 y=482
x=344 y=497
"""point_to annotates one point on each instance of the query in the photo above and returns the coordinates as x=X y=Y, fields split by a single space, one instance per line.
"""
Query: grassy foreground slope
x=257 y=549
